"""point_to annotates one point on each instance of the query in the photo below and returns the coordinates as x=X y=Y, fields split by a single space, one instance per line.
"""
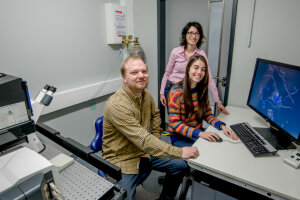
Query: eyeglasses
x=195 y=34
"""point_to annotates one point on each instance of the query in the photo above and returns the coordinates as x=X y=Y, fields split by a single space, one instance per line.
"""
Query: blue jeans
x=174 y=168
x=182 y=141
x=168 y=87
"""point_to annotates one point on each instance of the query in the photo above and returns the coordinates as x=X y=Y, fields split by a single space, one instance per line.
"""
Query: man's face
x=136 y=76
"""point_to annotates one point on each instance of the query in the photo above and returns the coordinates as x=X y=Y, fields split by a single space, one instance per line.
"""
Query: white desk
x=267 y=175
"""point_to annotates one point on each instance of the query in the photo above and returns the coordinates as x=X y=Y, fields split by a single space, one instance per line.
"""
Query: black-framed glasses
x=192 y=33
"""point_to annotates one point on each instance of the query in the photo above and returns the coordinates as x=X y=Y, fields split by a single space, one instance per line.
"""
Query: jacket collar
x=132 y=96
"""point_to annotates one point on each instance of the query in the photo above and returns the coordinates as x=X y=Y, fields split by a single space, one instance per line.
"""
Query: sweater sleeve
x=210 y=119
x=175 y=123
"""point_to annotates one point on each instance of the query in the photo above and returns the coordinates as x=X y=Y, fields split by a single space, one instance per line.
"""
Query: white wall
x=63 y=43
x=59 y=42
x=77 y=122
x=275 y=37
x=145 y=27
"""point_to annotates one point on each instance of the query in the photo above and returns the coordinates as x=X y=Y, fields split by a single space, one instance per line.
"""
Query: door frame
x=161 y=52
x=230 y=52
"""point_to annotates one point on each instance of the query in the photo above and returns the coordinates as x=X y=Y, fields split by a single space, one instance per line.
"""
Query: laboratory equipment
x=131 y=47
x=15 y=111
x=26 y=174
x=137 y=49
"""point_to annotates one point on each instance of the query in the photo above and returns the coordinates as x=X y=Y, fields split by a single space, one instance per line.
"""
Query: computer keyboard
x=255 y=143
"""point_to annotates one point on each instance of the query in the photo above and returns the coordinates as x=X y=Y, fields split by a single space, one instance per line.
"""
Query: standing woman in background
x=189 y=105
x=191 y=39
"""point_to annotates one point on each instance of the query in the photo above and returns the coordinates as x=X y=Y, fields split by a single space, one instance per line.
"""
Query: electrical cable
x=44 y=148
x=107 y=75
x=232 y=142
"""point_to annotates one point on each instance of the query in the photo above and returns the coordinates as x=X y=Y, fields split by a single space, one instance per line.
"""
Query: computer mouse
x=218 y=139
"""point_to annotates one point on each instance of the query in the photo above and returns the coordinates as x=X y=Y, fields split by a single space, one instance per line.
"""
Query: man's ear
x=123 y=77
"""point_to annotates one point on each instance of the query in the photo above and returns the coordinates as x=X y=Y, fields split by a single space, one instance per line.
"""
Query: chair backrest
x=96 y=144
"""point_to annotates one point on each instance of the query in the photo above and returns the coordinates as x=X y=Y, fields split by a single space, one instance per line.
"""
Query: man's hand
x=163 y=99
x=189 y=152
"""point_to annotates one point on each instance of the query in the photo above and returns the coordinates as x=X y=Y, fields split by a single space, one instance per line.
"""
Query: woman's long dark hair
x=201 y=87
x=184 y=31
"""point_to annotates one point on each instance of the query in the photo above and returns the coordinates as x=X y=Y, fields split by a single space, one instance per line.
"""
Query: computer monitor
x=275 y=96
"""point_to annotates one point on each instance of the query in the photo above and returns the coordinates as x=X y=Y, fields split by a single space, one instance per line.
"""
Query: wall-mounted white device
x=116 y=26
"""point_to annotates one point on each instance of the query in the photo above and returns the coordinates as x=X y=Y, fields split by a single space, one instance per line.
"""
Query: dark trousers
x=175 y=170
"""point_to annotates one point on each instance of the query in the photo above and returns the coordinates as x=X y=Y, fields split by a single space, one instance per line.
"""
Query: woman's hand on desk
x=228 y=132
x=210 y=136
x=221 y=108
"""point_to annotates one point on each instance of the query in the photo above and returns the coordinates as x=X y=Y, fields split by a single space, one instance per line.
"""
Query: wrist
x=219 y=102
x=200 y=135
x=222 y=126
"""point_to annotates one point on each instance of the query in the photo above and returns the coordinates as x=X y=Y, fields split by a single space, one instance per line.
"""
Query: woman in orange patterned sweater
x=189 y=105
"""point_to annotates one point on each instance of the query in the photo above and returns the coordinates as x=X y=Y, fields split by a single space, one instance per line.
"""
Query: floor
x=142 y=194
x=150 y=188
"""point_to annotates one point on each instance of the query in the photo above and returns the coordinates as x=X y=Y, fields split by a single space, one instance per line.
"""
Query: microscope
x=24 y=173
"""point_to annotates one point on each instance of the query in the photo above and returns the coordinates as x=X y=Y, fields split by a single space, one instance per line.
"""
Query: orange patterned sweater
x=177 y=121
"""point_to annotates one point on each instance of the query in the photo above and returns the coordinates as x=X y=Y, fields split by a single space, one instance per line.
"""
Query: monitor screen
x=275 y=95
x=13 y=114
x=15 y=111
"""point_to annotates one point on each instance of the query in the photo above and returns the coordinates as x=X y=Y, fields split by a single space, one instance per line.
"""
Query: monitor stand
x=275 y=138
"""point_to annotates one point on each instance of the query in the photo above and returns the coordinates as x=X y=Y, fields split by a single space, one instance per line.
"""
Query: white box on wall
x=116 y=25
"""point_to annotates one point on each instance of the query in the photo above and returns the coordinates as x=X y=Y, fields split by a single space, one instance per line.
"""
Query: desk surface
x=233 y=161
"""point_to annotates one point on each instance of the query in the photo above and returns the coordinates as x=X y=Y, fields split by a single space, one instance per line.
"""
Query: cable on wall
x=251 y=24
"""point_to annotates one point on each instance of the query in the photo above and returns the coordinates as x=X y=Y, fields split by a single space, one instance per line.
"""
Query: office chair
x=96 y=145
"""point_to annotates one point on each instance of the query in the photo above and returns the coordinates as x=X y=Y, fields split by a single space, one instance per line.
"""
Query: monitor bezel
x=272 y=124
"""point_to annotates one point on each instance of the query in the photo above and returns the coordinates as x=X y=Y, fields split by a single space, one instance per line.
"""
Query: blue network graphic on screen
x=276 y=94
